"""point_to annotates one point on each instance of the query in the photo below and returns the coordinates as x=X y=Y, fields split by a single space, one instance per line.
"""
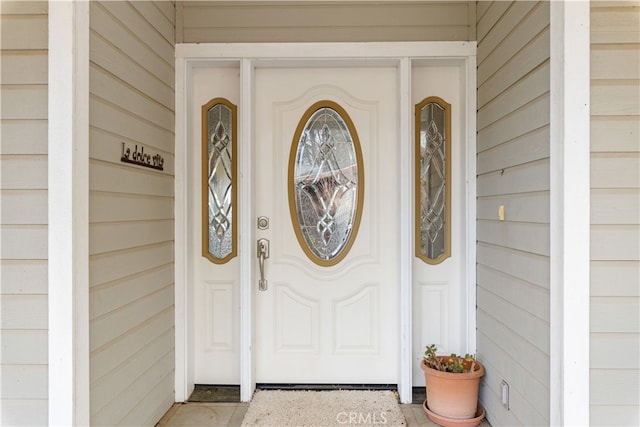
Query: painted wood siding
x=23 y=213
x=513 y=170
x=131 y=207
x=303 y=21
x=615 y=213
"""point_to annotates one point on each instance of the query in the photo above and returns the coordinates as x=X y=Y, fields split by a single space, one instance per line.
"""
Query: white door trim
x=184 y=380
x=246 y=231
x=405 y=263
x=250 y=55
x=471 y=182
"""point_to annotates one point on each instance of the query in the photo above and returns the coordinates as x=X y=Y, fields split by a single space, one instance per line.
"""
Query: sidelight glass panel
x=326 y=181
x=433 y=180
x=219 y=180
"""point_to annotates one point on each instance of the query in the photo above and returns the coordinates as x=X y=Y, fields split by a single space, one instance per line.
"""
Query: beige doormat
x=324 y=408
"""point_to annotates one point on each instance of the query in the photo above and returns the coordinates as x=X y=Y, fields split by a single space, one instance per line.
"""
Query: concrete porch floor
x=221 y=414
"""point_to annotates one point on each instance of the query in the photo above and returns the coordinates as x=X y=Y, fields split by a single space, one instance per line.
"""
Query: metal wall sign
x=140 y=158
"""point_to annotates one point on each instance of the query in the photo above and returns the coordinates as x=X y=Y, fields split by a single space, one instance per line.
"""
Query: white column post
x=68 y=175
x=569 y=347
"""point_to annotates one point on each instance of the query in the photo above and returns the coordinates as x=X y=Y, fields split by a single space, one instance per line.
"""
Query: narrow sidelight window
x=219 y=204
x=433 y=180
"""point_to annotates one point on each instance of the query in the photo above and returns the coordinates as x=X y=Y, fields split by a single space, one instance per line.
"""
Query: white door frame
x=248 y=56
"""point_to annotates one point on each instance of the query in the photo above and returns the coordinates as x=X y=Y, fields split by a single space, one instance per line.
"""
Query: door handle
x=263 y=253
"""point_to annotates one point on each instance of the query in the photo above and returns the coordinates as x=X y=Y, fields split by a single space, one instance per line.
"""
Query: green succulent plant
x=452 y=363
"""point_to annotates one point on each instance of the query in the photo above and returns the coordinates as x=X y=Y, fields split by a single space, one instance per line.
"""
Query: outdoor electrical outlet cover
x=505 y=394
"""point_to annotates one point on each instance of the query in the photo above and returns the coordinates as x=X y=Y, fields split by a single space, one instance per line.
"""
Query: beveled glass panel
x=326 y=182
x=433 y=177
x=219 y=172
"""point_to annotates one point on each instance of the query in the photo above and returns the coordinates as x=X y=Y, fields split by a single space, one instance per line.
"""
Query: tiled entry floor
x=204 y=414
x=231 y=414
x=218 y=406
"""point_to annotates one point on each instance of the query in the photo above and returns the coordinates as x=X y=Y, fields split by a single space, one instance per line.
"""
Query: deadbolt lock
x=263 y=223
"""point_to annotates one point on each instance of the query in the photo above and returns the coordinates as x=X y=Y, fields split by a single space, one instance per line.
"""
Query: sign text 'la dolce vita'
x=140 y=158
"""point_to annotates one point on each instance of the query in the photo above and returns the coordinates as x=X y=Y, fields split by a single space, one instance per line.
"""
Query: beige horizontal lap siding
x=131 y=212
x=23 y=213
x=615 y=214
x=303 y=21
x=513 y=171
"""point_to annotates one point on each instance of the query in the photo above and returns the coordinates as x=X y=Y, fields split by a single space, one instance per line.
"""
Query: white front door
x=328 y=324
x=315 y=323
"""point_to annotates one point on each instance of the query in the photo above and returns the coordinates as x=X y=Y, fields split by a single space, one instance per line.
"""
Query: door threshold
x=215 y=393
x=419 y=395
x=323 y=387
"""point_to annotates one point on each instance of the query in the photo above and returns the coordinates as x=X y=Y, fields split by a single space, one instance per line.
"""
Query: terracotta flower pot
x=453 y=395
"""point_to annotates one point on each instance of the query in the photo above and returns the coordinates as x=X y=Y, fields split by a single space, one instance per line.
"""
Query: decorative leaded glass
x=326 y=182
x=433 y=180
x=219 y=178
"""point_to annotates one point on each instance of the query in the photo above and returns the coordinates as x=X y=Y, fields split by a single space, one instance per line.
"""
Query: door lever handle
x=263 y=253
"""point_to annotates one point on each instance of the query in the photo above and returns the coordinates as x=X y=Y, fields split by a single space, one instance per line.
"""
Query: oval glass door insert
x=326 y=183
